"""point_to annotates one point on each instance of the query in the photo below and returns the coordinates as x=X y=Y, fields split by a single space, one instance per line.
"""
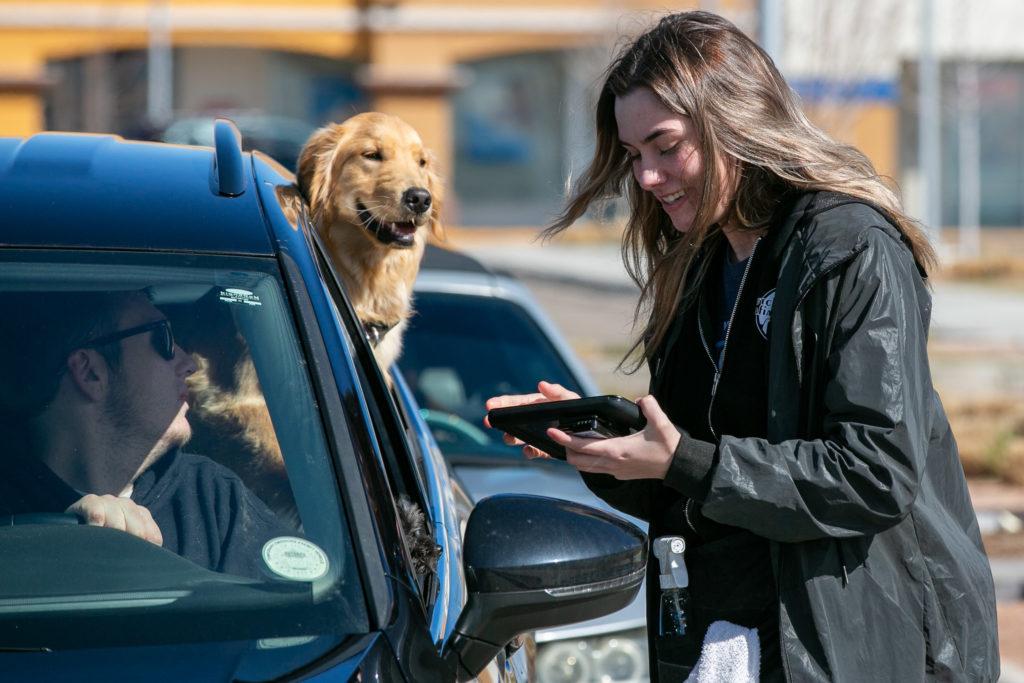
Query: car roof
x=103 y=192
x=448 y=272
x=441 y=258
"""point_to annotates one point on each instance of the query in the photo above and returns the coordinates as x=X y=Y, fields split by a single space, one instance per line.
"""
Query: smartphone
x=594 y=417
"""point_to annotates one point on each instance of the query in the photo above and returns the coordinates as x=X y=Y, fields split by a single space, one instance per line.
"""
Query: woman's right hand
x=546 y=391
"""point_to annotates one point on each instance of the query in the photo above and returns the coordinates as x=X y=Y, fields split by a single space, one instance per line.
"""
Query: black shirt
x=204 y=511
x=732 y=276
x=711 y=388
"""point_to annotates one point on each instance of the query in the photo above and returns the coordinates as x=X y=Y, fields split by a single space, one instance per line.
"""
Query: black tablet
x=594 y=417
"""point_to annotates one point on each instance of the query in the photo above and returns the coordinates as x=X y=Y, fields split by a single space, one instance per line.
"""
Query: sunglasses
x=162 y=337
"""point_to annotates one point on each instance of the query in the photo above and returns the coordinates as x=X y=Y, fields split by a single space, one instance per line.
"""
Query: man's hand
x=117 y=513
x=644 y=455
x=546 y=391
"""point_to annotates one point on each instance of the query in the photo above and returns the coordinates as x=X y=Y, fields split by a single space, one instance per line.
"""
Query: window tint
x=217 y=436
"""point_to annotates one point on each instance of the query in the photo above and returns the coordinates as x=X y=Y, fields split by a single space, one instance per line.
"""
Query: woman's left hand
x=644 y=455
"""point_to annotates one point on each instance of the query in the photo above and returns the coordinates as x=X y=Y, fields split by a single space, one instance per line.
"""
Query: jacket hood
x=832 y=228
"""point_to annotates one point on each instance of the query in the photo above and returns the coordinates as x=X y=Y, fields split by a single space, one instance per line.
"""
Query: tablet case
x=594 y=417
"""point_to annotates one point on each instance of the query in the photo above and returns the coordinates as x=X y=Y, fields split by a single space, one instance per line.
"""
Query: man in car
x=92 y=384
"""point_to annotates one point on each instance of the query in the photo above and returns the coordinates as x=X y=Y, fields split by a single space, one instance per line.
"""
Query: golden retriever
x=374 y=194
x=227 y=410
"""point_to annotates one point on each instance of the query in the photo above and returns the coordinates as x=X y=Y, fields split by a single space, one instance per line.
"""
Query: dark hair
x=37 y=333
x=701 y=66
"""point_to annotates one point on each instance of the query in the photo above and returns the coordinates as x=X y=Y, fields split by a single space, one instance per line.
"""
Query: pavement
x=972 y=316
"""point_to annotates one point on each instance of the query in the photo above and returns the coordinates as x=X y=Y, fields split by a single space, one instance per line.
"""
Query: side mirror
x=534 y=562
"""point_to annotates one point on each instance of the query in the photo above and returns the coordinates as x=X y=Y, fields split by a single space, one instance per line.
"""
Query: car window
x=460 y=350
x=232 y=461
x=396 y=440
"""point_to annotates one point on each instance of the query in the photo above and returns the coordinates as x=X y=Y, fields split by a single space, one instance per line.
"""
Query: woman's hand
x=644 y=455
x=546 y=391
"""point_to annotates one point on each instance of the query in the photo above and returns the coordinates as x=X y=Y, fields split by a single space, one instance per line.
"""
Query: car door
x=411 y=471
x=427 y=603
x=416 y=475
x=419 y=473
x=450 y=507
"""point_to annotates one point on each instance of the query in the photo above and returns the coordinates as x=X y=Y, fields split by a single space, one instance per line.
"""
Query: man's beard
x=122 y=413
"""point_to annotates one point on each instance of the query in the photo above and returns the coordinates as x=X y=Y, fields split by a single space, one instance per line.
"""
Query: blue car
x=320 y=535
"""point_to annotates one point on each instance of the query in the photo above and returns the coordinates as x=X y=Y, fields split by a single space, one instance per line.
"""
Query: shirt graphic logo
x=763 y=312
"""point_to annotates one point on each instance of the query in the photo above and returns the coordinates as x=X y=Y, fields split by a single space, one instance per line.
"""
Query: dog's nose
x=416 y=199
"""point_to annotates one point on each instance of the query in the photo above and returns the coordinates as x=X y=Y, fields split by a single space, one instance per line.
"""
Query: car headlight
x=618 y=658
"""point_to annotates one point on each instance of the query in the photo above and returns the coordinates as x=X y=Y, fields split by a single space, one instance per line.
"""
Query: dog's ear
x=317 y=163
x=436 y=187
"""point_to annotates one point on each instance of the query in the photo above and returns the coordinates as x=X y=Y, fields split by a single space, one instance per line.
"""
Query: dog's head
x=372 y=171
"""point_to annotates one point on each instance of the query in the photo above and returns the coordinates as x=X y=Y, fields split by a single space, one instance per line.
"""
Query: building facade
x=501 y=91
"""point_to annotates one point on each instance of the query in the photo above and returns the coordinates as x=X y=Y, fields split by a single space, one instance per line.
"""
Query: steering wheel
x=442 y=423
x=43 y=518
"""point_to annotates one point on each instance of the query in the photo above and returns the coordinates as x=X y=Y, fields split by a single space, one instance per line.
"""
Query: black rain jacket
x=875 y=547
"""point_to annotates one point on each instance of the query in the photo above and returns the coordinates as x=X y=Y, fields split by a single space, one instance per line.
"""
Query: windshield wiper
x=6 y=648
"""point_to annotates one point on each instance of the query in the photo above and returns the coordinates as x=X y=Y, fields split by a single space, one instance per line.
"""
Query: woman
x=793 y=435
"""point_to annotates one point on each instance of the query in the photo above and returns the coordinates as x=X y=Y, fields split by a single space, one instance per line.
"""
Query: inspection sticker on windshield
x=295 y=558
x=233 y=295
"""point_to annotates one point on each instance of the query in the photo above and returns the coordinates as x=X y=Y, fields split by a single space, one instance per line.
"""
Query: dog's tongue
x=404 y=228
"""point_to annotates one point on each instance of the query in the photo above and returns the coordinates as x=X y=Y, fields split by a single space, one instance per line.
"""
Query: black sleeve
x=691 y=467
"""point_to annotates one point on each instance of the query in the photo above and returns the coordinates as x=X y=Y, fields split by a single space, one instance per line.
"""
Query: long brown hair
x=701 y=66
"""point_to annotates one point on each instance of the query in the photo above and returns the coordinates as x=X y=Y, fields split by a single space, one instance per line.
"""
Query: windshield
x=460 y=350
x=165 y=476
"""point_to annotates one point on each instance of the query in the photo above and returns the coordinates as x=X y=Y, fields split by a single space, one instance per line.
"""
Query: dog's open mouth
x=400 y=234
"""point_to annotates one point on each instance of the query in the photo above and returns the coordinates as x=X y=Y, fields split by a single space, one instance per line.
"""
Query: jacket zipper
x=686 y=514
x=728 y=329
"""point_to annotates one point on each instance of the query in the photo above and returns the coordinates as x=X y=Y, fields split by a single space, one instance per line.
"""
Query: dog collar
x=375 y=332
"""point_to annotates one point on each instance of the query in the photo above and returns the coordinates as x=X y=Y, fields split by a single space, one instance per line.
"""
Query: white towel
x=730 y=654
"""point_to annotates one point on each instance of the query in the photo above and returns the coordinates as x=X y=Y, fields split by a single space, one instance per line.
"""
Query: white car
x=476 y=334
